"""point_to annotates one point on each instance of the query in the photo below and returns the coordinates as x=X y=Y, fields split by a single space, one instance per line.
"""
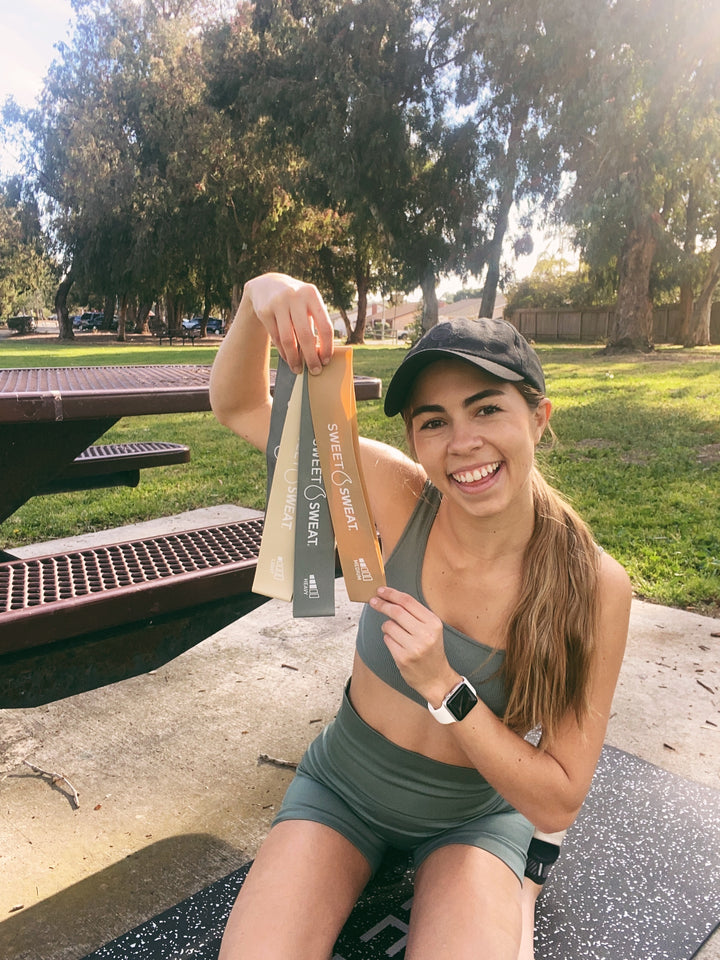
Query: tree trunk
x=65 y=327
x=122 y=317
x=634 y=313
x=492 y=278
x=494 y=249
x=346 y=321
x=508 y=178
x=701 y=324
x=174 y=306
x=686 y=313
x=207 y=307
x=686 y=288
x=235 y=302
x=699 y=332
x=430 y=303
x=363 y=286
x=141 y=323
x=108 y=312
x=131 y=317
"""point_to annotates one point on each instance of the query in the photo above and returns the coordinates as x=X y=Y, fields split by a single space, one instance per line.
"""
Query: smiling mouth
x=480 y=473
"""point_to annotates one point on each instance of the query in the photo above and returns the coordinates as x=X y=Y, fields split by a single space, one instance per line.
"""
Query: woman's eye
x=488 y=410
x=432 y=424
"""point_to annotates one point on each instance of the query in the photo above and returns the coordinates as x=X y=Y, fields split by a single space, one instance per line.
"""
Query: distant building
x=394 y=321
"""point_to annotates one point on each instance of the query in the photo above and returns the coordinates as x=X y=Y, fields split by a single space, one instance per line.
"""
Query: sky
x=29 y=30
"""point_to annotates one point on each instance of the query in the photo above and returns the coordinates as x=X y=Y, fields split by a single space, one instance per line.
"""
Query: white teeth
x=480 y=473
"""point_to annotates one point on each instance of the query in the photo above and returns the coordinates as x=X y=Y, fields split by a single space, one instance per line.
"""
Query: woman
x=491 y=577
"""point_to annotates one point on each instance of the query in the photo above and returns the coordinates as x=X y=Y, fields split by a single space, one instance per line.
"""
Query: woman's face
x=475 y=436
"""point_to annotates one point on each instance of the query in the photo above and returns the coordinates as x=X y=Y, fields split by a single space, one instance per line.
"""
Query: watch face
x=461 y=702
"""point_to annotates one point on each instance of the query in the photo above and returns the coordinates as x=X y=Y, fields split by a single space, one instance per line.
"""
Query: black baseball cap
x=495 y=346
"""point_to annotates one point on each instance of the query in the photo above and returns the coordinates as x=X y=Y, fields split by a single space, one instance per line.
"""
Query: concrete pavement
x=166 y=764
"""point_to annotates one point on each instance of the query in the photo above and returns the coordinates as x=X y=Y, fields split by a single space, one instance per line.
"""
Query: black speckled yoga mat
x=638 y=879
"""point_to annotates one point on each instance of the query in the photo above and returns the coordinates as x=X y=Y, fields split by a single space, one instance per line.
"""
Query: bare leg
x=297 y=895
x=528 y=899
x=544 y=850
x=466 y=905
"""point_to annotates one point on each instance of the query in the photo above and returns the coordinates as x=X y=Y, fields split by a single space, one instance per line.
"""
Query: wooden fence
x=594 y=324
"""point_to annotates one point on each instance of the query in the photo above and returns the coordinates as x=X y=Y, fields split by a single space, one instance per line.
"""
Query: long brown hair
x=551 y=633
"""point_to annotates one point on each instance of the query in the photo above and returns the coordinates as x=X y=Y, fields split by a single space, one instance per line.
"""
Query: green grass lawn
x=637 y=453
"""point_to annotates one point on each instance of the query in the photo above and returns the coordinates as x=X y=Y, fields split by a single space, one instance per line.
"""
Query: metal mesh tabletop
x=44 y=599
x=75 y=393
x=67 y=393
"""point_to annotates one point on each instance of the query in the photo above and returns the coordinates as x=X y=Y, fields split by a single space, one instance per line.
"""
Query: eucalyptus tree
x=695 y=221
x=354 y=89
x=515 y=61
x=89 y=147
x=634 y=138
x=27 y=273
x=123 y=143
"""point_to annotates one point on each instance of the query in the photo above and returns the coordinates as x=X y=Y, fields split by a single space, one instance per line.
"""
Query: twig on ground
x=287 y=764
x=56 y=778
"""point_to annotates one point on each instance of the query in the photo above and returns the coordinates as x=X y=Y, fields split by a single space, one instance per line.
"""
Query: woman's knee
x=297 y=895
x=467 y=904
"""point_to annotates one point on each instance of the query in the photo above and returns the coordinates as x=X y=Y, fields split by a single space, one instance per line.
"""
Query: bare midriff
x=400 y=720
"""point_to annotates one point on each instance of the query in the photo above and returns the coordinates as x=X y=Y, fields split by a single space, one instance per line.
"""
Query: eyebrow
x=468 y=402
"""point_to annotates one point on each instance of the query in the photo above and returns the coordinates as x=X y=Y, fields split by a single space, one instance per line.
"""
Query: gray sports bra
x=482 y=665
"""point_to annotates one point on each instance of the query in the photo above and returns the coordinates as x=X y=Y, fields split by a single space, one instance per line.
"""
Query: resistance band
x=332 y=402
x=317 y=494
x=314 y=586
x=274 y=570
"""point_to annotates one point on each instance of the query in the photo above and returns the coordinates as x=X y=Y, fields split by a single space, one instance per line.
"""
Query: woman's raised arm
x=274 y=308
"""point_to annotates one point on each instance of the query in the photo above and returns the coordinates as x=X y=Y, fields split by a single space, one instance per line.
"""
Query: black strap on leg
x=540 y=858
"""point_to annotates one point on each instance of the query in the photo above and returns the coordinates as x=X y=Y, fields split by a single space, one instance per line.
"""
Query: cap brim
x=403 y=378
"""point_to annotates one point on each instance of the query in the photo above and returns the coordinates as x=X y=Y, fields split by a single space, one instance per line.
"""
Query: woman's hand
x=295 y=317
x=414 y=636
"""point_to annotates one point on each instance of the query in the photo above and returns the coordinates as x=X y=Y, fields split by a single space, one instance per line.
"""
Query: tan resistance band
x=276 y=559
x=332 y=402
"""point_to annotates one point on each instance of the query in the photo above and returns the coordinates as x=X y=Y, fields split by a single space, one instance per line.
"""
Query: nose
x=465 y=436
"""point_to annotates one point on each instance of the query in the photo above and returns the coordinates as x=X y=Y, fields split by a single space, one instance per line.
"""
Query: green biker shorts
x=379 y=795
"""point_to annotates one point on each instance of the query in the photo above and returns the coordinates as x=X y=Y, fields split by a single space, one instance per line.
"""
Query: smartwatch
x=457 y=704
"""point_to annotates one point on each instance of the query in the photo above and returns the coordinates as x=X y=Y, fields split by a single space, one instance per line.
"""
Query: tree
x=351 y=87
x=123 y=147
x=515 y=62
x=695 y=223
x=636 y=125
x=27 y=273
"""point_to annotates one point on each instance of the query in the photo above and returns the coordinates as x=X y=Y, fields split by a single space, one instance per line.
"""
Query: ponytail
x=552 y=631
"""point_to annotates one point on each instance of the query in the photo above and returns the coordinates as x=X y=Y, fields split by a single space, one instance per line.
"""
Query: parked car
x=214 y=324
x=91 y=321
x=77 y=321
x=22 y=324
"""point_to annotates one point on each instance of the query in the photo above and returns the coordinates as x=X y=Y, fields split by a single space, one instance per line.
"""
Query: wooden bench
x=74 y=621
x=116 y=465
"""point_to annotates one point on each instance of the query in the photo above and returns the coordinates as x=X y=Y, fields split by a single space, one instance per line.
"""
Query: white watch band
x=442 y=714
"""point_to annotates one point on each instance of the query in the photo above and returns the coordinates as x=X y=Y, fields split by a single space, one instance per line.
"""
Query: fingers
x=414 y=636
x=402 y=607
x=296 y=319
x=409 y=623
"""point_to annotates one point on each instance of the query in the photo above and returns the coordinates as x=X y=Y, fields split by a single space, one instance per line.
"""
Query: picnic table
x=50 y=415
x=74 y=620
